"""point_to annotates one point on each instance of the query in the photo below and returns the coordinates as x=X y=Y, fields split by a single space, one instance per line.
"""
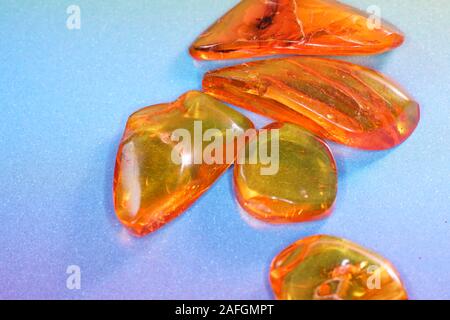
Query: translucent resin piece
x=151 y=186
x=300 y=187
x=336 y=100
x=329 y=268
x=305 y=27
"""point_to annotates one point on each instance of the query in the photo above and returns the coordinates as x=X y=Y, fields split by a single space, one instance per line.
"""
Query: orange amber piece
x=158 y=176
x=334 y=99
x=329 y=268
x=307 y=27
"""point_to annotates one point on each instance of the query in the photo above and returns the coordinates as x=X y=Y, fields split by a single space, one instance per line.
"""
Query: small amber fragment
x=150 y=188
x=336 y=100
x=307 y=27
x=301 y=186
x=329 y=268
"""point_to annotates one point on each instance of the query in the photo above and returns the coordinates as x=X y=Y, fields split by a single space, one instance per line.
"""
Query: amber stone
x=301 y=186
x=306 y=27
x=336 y=100
x=150 y=189
x=329 y=268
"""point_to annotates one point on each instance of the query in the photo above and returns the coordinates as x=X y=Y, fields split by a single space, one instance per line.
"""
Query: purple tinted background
x=65 y=97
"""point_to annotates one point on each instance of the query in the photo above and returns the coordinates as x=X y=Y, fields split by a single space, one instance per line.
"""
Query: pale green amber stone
x=329 y=268
x=304 y=186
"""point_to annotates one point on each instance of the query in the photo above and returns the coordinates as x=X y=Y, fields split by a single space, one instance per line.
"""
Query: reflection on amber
x=306 y=27
x=329 y=268
x=150 y=189
x=336 y=100
x=304 y=186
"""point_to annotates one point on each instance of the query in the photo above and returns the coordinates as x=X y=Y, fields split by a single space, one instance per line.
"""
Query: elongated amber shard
x=337 y=100
x=151 y=185
x=329 y=268
x=299 y=183
x=304 y=27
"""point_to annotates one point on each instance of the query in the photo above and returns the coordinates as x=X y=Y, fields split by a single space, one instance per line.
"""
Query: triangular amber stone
x=306 y=27
x=151 y=188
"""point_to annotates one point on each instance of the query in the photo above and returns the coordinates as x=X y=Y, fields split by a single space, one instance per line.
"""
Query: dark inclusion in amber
x=150 y=188
x=336 y=100
x=307 y=27
x=329 y=268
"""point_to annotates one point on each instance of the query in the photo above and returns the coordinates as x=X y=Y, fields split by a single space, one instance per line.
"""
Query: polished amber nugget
x=336 y=100
x=150 y=188
x=302 y=184
x=306 y=27
x=329 y=268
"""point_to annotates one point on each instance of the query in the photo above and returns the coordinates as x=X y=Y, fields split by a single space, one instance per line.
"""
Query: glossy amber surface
x=306 y=27
x=150 y=189
x=329 y=268
x=336 y=100
x=302 y=188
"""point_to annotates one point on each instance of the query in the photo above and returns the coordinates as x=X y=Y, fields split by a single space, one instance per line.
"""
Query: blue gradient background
x=64 y=100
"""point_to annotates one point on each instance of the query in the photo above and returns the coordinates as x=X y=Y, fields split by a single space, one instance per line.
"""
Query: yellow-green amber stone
x=329 y=268
x=150 y=189
x=304 y=186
